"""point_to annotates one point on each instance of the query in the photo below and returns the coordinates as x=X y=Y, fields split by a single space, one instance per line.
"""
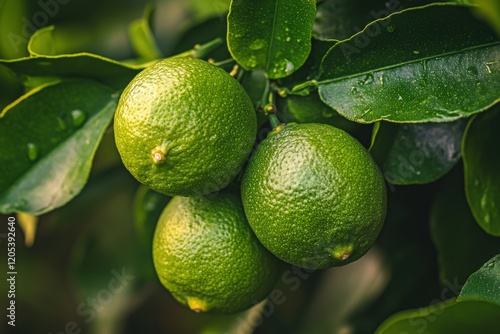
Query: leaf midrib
x=271 y=43
x=447 y=54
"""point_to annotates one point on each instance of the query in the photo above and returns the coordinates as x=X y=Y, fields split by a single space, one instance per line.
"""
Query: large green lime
x=313 y=196
x=184 y=127
x=207 y=256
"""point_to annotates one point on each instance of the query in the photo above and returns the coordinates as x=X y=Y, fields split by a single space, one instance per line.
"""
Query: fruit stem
x=304 y=88
x=222 y=62
x=275 y=122
x=201 y=50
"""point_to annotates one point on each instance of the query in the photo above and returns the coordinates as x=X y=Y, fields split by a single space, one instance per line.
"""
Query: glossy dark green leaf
x=84 y=65
x=271 y=35
x=310 y=109
x=482 y=166
x=462 y=246
x=255 y=84
x=446 y=317
x=428 y=64
x=49 y=137
x=417 y=153
x=484 y=284
x=341 y=19
x=142 y=38
x=310 y=69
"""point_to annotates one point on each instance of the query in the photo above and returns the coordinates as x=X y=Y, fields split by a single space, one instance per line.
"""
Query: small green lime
x=207 y=256
x=184 y=127
x=313 y=196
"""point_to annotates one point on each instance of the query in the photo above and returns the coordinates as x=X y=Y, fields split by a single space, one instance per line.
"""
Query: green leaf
x=417 y=153
x=447 y=317
x=274 y=36
x=341 y=19
x=428 y=64
x=142 y=37
x=310 y=69
x=84 y=65
x=49 y=137
x=310 y=109
x=41 y=42
x=462 y=246
x=484 y=284
x=481 y=166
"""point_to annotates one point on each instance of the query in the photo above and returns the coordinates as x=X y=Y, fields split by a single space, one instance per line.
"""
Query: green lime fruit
x=313 y=196
x=184 y=127
x=207 y=256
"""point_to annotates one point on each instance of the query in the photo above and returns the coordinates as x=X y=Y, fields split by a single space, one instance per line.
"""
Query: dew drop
x=416 y=52
x=289 y=66
x=32 y=151
x=484 y=201
x=299 y=40
x=288 y=39
x=252 y=62
x=78 y=117
x=390 y=29
x=257 y=44
x=354 y=90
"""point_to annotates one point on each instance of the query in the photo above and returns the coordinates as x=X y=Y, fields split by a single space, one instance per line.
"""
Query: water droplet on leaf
x=257 y=44
x=390 y=29
x=416 y=52
x=32 y=151
x=252 y=62
x=78 y=117
x=289 y=66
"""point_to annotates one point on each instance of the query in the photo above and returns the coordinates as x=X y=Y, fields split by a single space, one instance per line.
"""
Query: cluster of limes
x=310 y=194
